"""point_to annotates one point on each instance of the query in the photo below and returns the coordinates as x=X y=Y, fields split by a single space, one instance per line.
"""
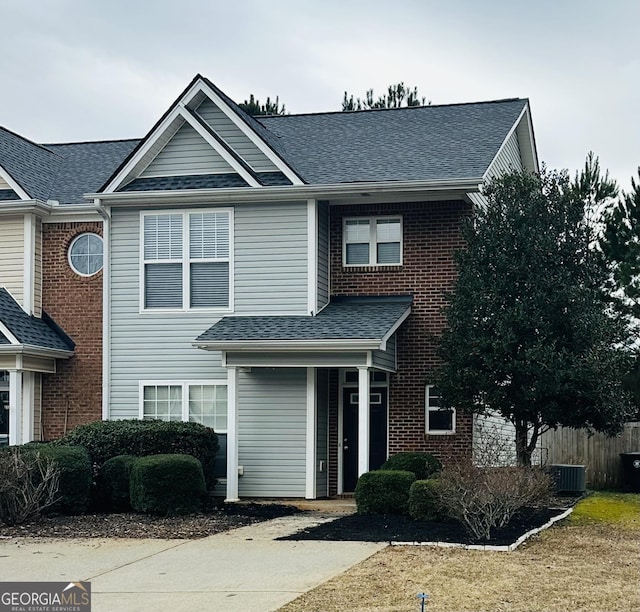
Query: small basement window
x=439 y=421
x=85 y=254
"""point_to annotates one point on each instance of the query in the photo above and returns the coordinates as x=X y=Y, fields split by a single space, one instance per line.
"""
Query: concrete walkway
x=243 y=569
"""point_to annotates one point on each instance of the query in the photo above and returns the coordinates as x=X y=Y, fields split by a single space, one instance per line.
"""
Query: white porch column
x=311 y=430
x=15 y=407
x=28 y=397
x=232 y=435
x=363 y=420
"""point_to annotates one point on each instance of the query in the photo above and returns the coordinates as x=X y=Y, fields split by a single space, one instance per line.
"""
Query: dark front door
x=377 y=433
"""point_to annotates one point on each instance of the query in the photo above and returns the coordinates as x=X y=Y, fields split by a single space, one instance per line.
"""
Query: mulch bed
x=132 y=525
x=397 y=528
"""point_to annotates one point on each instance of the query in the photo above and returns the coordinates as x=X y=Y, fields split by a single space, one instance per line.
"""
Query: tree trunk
x=523 y=452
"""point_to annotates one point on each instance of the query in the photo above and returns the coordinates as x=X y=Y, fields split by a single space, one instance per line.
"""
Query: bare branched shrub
x=483 y=499
x=28 y=485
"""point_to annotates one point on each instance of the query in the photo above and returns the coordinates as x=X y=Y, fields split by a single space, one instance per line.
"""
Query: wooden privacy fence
x=598 y=452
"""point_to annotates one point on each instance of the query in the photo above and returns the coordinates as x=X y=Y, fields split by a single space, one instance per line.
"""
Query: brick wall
x=431 y=234
x=73 y=395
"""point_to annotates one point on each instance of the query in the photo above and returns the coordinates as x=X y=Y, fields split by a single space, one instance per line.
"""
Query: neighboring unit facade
x=280 y=280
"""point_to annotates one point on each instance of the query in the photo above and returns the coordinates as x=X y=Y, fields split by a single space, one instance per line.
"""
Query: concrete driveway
x=243 y=569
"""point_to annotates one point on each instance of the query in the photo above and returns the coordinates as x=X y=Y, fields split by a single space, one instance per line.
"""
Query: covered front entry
x=378 y=415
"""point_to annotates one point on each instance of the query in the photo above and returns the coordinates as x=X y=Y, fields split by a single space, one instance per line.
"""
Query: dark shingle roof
x=418 y=143
x=3 y=339
x=202 y=181
x=86 y=166
x=345 y=318
x=31 y=165
x=7 y=195
x=30 y=330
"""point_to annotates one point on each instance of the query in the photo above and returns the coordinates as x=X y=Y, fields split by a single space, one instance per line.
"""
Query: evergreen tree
x=253 y=107
x=530 y=332
x=396 y=96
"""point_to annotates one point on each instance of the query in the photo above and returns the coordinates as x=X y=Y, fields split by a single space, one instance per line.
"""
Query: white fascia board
x=37 y=207
x=69 y=213
x=201 y=86
x=34 y=351
x=6 y=332
x=117 y=181
x=214 y=144
x=13 y=184
x=290 y=345
x=395 y=327
x=285 y=193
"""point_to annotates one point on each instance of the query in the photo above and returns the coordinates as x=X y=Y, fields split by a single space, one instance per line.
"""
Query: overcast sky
x=73 y=70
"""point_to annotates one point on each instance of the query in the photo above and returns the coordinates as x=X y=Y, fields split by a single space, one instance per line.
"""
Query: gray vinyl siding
x=508 y=160
x=323 y=255
x=12 y=256
x=149 y=346
x=269 y=277
x=386 y=360
x=322 y=435
x=235 y=138
x=4 y=184
x=271 y=258
x=272 y=408
x=494 y=441
x=37 y=276
x=187 y=153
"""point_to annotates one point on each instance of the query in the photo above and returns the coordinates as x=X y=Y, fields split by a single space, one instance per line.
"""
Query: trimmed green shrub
x=106 y=439
x=167 y=485
x=423 y=465
x=384 y=492
x=74 y=487
x=113 y=483
x=423 y=500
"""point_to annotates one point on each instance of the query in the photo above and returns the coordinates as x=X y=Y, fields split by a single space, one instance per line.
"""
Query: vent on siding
x=569 y=478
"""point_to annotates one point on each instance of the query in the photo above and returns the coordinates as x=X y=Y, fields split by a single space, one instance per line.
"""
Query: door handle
x=345 y=447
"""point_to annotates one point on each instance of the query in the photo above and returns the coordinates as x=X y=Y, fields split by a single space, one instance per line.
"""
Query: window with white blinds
x=372 y=241
x=186 y=260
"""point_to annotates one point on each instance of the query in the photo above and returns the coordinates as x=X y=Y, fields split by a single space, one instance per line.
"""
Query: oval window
x=85 y=254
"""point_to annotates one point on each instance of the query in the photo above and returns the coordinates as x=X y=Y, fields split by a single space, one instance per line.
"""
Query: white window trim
x=186 y=262
x=373 y=242
x=428 y=410
x=75 y=239
x=185 y=394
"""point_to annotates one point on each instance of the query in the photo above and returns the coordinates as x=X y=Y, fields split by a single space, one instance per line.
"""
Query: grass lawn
x=591 y=563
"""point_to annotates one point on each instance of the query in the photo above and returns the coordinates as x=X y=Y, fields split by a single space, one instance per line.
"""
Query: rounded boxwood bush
x=167 y=485
x=384 y=492
x=106 y=439
x=74 y=488
x=113 y=483
x=423 y=465
x=423 y=500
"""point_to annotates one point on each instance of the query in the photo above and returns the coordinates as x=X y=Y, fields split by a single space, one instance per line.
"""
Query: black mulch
x=398 y=528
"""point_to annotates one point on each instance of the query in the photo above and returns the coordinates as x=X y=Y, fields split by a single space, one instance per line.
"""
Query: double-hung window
x=203 y=402
x=438 y=420
x=186 y=260
x=372 y=241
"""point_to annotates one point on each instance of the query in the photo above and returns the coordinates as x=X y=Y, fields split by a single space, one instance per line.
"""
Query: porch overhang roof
x=345 y=324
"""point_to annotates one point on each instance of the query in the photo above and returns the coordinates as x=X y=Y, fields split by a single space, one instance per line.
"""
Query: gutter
x=369 y=344
x=36 y=351
x=287 y=192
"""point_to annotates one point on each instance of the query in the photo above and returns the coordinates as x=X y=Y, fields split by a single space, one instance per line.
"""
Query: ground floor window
x=202 y=402
x=438 y=420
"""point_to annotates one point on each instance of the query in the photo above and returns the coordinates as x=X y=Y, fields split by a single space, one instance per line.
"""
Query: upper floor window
x=372 y=241
x=438 y=420
x=85 y=254
x=186 y=260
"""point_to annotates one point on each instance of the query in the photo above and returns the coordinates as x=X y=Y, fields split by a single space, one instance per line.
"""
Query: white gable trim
x=201 y=86
x=523 y=122
x=8 y=179
x=6 y=332
x=230 y=159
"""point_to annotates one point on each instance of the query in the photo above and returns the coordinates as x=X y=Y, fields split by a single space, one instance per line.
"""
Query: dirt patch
x=132 y=525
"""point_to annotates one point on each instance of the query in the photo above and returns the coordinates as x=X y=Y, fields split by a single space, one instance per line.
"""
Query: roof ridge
x=402 y=108
x=28 y=141
x=82 y=142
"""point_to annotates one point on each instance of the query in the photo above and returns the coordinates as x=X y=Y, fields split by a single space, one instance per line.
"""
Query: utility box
x=569 y=478
x=630 y=471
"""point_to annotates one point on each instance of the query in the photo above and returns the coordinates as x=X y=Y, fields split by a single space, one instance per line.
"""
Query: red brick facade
x=431 y=235
x=73 y=395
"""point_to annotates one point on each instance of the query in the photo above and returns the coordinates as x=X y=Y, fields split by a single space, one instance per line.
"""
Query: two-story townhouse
x=281 y=279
